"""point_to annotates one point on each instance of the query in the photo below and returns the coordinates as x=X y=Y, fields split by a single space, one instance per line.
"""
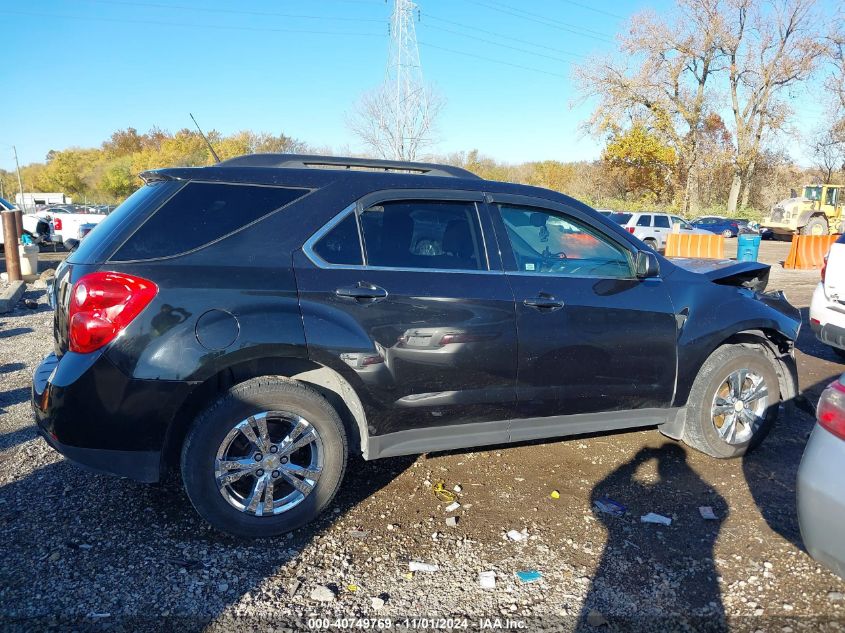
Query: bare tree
x=666 y=86
x=390 y=133
x=770 y=48
x=828 y=151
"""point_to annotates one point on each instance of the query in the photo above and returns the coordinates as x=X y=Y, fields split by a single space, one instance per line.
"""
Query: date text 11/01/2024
x=416 y=623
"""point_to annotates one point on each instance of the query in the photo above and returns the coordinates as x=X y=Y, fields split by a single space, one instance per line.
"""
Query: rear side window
x=423 y=234
x=661 y=221
x=201 y=213
x=645 y=220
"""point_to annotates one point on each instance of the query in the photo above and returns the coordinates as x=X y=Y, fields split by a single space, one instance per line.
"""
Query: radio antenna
x=205 y=138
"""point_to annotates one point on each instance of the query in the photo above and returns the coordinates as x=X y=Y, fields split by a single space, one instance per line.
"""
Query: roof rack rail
x=305 y=161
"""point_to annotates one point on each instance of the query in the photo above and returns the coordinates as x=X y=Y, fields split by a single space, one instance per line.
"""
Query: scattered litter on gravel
x=101 y=550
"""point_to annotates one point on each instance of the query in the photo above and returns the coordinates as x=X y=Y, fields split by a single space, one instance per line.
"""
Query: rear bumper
x=821 y=499
x=91 y=412
x=143 y=466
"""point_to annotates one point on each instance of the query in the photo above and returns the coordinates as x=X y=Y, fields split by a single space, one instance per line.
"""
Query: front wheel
x=267 y=457
x=816 y=226
x=727 y=233
x=733 y=402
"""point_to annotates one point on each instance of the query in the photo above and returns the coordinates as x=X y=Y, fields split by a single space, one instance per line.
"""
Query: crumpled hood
x=753 y=275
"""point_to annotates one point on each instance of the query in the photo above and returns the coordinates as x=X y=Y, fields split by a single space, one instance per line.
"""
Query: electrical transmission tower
x=404 y=88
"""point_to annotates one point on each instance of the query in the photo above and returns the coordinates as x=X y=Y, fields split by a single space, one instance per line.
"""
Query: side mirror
x=647 y=265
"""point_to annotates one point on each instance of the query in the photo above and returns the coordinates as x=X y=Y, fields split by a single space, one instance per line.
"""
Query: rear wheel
x=727 y=233
x=816 y=226
x=264 y=459
x=733 y=402
x=651 y=243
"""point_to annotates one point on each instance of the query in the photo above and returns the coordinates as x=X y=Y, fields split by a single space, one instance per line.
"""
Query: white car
x=30 y=224
x=653 y=228
x=827 y=309
x=68 y=223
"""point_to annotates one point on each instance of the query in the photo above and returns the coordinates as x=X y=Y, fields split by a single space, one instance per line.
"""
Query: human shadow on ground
x=652 y=576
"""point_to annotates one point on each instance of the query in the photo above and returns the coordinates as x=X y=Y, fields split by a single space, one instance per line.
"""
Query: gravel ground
x=88 y=551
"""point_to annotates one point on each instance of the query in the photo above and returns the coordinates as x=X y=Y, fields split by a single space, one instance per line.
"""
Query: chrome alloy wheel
x=269 y=463
x=739 y=406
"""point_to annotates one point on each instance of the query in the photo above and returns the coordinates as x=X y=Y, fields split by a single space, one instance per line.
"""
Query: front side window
x=645 y=220
x=661 y=222
x=684 y=224
x=830 y=196
x=548 y=242
x=423 y=234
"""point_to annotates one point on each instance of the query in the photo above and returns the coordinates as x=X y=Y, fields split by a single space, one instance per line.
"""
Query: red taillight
x=102 y=304
x=630 y=229
x=831 y=410
x=57 y=224
x=824 y=267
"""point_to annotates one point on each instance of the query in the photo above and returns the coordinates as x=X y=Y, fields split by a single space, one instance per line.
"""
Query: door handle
x=544 y=303
x=362 y=292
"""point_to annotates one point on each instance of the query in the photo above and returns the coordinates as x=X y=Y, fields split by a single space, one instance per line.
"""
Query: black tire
x=700 y=430
x=210 y=428
x=817 y=223
x=839 y=352
x=651 y=243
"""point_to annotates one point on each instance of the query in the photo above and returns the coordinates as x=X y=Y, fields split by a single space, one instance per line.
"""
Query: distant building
x=30 y=200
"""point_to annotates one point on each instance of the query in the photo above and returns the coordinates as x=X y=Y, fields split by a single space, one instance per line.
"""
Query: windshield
x=620 y=218
x=812 y=193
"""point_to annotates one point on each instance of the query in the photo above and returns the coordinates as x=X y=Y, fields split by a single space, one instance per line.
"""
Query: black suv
x=255 y=321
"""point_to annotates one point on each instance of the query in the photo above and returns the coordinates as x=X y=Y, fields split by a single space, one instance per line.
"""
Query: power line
x=545 y=21
x=157 y=5
x=490 y=59
x=590 y=8
x=187 y=25
x=513 y=48
x=502 y=36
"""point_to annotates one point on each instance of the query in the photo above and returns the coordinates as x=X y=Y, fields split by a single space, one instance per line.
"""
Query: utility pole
x=20 y=181
x=404 y=78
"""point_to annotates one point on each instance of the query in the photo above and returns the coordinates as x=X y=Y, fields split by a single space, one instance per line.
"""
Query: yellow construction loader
x=817 y=211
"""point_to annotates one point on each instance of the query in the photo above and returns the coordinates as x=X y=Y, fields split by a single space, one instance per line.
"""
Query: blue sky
x=80 y=69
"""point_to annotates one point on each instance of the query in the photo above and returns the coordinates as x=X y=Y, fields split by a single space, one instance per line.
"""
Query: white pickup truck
x=30 y=224
x=67 y=223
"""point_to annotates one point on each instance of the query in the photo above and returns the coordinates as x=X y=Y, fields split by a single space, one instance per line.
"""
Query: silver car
x=821 y=495
x=654 y=228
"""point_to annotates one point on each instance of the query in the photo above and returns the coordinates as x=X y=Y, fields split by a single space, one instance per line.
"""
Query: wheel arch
x=775 y=344
x=331 y=385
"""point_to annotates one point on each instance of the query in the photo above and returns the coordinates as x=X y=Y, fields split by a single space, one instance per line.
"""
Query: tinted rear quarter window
x=341 y=245
x=201 y=213
x=645 y=220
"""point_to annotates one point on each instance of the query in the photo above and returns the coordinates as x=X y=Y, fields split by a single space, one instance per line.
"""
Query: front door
x=592 y=337
x=398 y=295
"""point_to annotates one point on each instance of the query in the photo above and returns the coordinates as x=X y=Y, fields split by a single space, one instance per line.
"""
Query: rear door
x=661 y=229
x=400 y=294
x=592 y=337
x=642 y=228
